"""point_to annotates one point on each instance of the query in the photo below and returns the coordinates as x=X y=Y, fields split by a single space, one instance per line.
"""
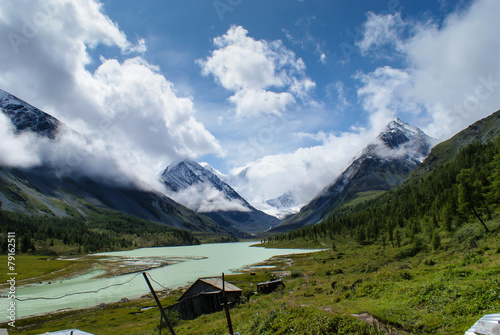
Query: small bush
x=430 y=262
x=298 y=320
x=467 y=237
x=404 y=275
x=338 y=271
x=472 y=258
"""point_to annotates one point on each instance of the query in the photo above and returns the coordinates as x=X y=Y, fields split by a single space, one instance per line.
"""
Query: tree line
x=420 y=210
x=98 y=230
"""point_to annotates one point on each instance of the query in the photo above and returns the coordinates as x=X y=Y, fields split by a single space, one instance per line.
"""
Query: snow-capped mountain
x=40 y=190
x=283 y=206
x=203 y=191
x=283 y=201
x=26 y=117
x=186 y=173
x=380 y=166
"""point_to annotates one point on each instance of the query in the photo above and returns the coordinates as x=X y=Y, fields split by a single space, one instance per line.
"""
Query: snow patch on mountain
x=400 y=143
x=283 y=205
x=200 y=189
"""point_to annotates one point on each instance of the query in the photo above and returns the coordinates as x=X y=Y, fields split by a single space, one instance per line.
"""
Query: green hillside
x=484 y=130
x=448 y=200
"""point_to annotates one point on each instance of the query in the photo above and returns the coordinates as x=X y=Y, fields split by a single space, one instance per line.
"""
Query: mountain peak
x=398 y=125
x=203 y=191
x=26 y=117
x=401 y=136
x=380 y=166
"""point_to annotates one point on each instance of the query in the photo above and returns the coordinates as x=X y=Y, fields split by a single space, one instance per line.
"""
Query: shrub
x=430 y=262
x=467 y=237
x=404 y=275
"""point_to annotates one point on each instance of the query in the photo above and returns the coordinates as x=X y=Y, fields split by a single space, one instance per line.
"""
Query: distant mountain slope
x=454 y=197
x=381 y=166
x=201 y=190
x=41 y=191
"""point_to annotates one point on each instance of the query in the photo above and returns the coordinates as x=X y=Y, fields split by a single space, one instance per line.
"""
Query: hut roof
x=275 y=281
x=208 y=285
x=217 y=282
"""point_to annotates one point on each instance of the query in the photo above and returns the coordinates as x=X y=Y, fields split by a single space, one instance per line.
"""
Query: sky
x=277 y=95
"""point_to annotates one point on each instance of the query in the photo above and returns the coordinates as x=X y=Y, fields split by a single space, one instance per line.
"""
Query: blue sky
x=282 y=94
x=323 y=34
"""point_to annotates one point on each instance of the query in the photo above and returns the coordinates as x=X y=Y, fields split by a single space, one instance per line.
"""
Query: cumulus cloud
x=450 y=78
x=265 y=77
x=304 y=172
x=204 y=198
x=131 y=119
x=382 y=30
x=453 y=73
x=381 y=94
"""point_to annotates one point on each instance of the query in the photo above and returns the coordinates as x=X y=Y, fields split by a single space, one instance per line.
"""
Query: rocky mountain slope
x=41 y=190
x=203 y=191
x=381 y=166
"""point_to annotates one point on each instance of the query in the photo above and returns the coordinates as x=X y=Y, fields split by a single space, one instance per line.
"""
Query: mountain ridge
x=42 y=190
x=188 y=180
x=380 y=166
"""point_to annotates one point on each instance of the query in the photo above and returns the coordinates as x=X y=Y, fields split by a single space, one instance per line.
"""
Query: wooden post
x=226 y=307
x=159 y=304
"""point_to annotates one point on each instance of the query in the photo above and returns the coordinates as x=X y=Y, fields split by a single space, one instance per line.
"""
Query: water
x=197 y=261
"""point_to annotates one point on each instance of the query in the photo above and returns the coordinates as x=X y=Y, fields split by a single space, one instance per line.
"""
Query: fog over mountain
x=380 y=166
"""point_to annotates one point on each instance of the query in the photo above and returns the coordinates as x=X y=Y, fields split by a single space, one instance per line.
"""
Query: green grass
x=32 y=269
x=361 y=197
x=441 y=292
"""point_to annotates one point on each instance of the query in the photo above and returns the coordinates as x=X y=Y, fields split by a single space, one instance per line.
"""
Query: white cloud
x=456 y=68
x=381 y=30
x=307 y=41
x=381 y=94
x=254 y=102
x=453 y=73
x=304 y=172
x=336 y=93
x=204 y=198
x=14 y=148
x=130 y=115
x=257 y=69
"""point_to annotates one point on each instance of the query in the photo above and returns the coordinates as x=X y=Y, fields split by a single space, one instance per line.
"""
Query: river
x=192 y=262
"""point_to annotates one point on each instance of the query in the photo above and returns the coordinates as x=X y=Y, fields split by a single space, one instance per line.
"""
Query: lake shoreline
x=116 y=270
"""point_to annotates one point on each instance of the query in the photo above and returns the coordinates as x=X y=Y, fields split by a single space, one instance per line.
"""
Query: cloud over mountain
x=127 y=110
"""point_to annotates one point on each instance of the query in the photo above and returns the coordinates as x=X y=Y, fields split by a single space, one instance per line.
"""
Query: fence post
x=159 y=305
x=226 y=307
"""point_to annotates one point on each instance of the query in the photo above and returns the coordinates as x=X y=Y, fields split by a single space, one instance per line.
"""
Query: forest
x=428 y=206
x=100 y=230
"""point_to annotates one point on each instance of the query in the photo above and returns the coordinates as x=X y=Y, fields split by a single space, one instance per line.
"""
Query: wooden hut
x=269 y=286
x=204 y=297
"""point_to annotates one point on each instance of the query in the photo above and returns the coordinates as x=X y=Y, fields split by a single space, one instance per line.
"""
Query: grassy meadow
x=347 y=289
